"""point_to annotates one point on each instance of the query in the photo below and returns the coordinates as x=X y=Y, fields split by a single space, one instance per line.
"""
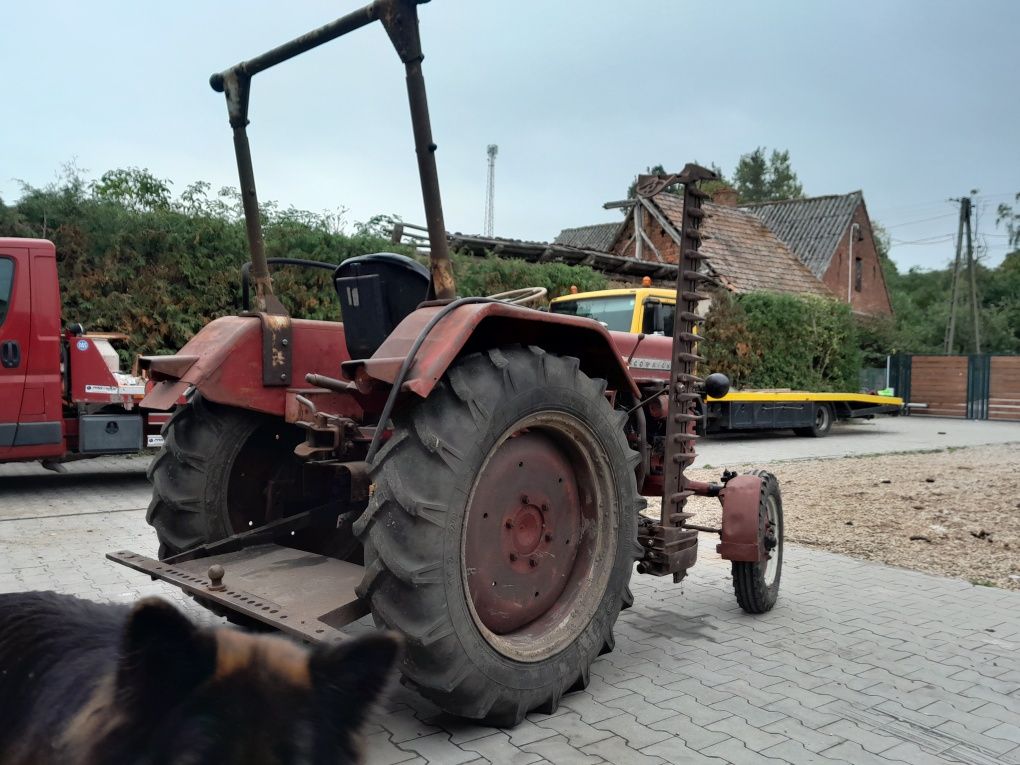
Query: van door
x=15 y=325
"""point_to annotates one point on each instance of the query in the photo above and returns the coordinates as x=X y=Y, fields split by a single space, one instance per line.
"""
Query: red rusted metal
x=487 y=325
x=680 y=423
x=524 y=532
x=648 y=360
x=670 y=547
x=277 y=353
x=742 y=537
x=228 y=367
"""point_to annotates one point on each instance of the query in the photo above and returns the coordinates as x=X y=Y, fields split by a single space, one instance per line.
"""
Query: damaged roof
x=812 y=227
x=599 y=236
x=742 y=252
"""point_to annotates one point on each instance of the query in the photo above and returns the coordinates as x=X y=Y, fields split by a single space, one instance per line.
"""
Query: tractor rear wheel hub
x=528 y=499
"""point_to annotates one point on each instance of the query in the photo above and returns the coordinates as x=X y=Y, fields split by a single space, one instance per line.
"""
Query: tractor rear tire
x=526 y=438
x=210 y=478
x=756 y=585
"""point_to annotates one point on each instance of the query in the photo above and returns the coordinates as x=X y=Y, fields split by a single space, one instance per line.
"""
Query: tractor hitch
x=308 y=596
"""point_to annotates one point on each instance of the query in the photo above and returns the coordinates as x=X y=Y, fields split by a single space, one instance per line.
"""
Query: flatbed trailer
x=650 y=311
x=808 y=414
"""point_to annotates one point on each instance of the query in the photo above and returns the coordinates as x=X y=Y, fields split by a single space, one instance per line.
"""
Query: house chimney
x=727 y=195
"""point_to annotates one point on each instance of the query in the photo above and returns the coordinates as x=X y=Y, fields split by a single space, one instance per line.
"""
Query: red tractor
x=472 y=473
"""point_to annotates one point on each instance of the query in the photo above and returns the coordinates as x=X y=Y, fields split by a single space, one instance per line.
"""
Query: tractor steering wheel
x=521 y=296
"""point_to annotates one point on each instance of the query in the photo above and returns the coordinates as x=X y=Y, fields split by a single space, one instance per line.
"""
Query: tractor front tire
x=756 y=585
x=502 y=533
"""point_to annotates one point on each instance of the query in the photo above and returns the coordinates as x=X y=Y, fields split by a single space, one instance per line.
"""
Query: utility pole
x=973 y=285
x=490 y=189
x=951 y=329
x=966 y=209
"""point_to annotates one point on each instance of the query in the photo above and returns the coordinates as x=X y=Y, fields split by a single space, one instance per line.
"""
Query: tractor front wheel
x=756 y=585
x=502 y=533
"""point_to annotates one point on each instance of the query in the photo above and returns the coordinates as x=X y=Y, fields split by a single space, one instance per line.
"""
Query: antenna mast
x=490 y=189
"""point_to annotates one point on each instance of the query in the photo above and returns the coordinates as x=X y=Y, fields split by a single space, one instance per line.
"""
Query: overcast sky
x=914 y=102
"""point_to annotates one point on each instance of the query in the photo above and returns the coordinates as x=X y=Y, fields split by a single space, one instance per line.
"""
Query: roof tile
x=743 y=252
x=811 y=227
x=597 y=237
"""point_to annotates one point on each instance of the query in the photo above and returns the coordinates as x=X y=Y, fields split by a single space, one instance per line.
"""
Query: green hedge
x=134 y=258
x=769 y=340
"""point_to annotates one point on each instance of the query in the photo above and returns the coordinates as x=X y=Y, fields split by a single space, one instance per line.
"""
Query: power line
x=929 y=240
x=919 y=220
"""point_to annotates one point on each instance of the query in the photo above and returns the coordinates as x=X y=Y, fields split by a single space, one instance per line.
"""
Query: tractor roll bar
x=400 y=19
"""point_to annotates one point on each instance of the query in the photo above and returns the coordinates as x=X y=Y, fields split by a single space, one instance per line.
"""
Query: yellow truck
x=650 y=310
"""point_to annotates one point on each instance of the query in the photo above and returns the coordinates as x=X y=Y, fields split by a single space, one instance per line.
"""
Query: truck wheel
x=757 y=584
x=822 y=422
x=502 y=533
x=211 y=476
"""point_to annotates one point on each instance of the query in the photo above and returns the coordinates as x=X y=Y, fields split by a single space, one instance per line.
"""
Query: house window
x=858 y=273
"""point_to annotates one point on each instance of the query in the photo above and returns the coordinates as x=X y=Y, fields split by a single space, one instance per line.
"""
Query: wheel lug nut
x=524 y=499
x=509 y=524
x=533 y=563
x=513 y=557
x=548 y=537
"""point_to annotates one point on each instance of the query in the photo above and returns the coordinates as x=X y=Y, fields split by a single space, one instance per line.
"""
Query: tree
x=758 y=178
x=1009 y=216
x=133 y=257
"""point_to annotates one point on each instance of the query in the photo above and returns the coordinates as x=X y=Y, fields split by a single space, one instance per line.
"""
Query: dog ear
x=163 y=656
x=352 y=675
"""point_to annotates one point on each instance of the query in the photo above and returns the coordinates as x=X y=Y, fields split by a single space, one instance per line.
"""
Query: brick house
x=744 y=255
x=832 y=236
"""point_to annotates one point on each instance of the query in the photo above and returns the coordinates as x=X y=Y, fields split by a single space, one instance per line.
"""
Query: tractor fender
x=223 y=362
x=480 y=326
x=741 y=528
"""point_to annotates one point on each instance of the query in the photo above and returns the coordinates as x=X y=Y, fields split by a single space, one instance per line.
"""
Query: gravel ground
x=961 y=506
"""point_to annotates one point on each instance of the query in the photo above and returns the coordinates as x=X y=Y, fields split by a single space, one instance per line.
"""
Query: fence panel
x=1004 y=388
x=940 y=382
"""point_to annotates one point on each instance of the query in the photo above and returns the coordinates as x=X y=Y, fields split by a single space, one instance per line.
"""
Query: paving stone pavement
x=858 y=662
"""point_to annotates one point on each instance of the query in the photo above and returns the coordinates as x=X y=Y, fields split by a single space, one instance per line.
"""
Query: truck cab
x=648 y=310
x=61 y=392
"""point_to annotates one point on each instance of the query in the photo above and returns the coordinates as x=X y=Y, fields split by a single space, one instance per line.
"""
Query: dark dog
x=89 y=684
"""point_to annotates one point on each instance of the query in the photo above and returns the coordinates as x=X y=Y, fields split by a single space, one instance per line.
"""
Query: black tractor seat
x=376 y=292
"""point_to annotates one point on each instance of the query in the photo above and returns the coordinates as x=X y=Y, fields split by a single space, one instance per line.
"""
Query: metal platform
x=306 y=595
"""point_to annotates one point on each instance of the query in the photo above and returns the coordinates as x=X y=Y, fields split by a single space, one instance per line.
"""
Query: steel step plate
x=306 y=595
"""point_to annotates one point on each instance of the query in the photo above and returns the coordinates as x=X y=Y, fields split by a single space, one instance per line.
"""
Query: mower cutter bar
x=306 y=595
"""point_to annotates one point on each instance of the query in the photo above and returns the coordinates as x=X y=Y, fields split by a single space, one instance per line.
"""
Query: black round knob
x=717 y=385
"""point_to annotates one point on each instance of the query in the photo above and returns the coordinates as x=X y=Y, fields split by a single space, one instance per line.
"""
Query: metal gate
x=978 y=387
